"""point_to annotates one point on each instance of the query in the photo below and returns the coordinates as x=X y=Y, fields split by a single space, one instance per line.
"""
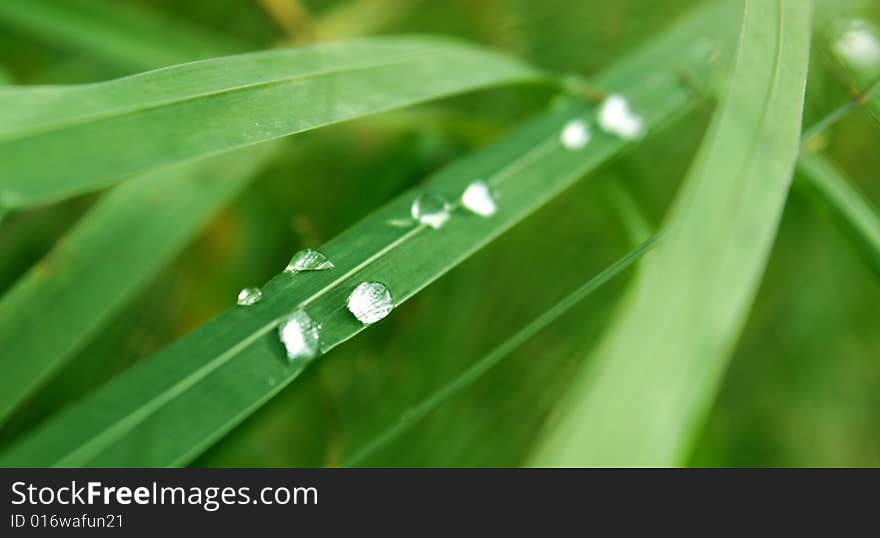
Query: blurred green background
x=802 y=388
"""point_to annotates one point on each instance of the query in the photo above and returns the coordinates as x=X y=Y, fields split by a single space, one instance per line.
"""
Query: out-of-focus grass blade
x=487 y=362
x=100 y=133
x=855 y=45
x=851 y=209
x=109 y=256
x=169 y=408
x=640 y=399
x=54 y=310
x=134 y=39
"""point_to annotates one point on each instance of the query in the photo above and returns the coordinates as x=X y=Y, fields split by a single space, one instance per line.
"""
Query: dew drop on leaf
x=575 y=135
x=477 y=198
x=249 y=296
x=370 y=302
x=616 y=117
x=308 y=260
x=430 y=209
x=300 y=335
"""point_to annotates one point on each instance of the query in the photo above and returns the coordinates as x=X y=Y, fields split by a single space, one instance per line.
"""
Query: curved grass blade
x=855 y=213
x=167 y=409
x=106 y=131
x=84 y=281
x=654 y=375
x=491 y=359
x=133 y=39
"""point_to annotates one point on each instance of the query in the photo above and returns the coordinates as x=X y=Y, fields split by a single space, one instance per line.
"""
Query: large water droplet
x=308 y=260
x=300 y=335
x=430 y=209
x=370 y=302
x=575 y=135
x=249 y=296
x=477 y=198
x=616 y=117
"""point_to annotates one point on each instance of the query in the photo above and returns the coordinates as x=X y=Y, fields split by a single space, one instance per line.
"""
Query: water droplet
x=249 y=296
x=430 y=209
x=859 y=44
x=299 y=334
x=477 y=197
x=370 y=302
x=575 y=135
x=616 y=117
x=308 y=260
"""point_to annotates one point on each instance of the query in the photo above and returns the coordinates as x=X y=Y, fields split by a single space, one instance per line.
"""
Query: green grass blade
x=491 y=359
x=131 y=233
x=79 y=286
x=640 y=400
x=169 y=408
x=106 y=131
x=851 y=209
x=133 y=39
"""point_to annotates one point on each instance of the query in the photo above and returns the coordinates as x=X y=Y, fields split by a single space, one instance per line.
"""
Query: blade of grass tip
x=851 y=209
x=642 y=396
x=170 y=407
x=106 y=131
x=133 y=39
x=421 y=410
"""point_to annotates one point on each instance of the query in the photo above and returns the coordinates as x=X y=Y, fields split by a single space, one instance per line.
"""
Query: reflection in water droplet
x=616 y=117
x=249 y=296
x=308 y=260
x=299 y=334
x=477 y=198
x=859 y=44
x=575 y=135
x=370 y=302
x=430 y=209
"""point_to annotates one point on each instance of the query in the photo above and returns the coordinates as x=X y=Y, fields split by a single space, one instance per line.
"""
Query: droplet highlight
x=575 y=135
x=616 y=117
x=300 y=335
x=859 y=44
x=370 y=302
x=308 y=260
x=477 y=198
x=249 y=296
x=430 y=209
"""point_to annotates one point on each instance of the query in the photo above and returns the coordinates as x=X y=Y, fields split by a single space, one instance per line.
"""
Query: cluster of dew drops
x=370 y=302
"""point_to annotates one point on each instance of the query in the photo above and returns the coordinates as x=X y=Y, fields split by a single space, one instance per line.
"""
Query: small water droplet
x=575 y=135
x=308 y=260
x=370 y=302
x=477 y=198
x=859 y=44
x=616 y=117
x=300 y=336
x=430 y=209
x=249 y=296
